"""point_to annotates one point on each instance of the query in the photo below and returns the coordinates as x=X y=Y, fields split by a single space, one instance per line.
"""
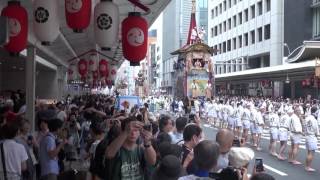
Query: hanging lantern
x=307 y=82
x=93 y=62
x=78 y=14
x=83 y=68
x=134 y=38
x=18 y=27
x=46 y=21
x=70 y=74
x=109 y=83
x=113 y=73
x=95 y=75
x=106 y=24
x=103 y=68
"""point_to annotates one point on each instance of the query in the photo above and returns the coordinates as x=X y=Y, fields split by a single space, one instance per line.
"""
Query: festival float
x=195 y=72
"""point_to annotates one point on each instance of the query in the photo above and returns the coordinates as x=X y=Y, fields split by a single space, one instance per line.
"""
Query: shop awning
x=309 y=50
x=274 y=72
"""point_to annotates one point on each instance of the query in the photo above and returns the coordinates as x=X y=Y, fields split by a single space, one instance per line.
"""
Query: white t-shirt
x=14 y=154
x=62 y=116
x=295 y=124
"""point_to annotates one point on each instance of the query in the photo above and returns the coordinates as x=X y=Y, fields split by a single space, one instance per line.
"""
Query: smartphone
x=147 y=127
x=236 y=143
x=259 y=165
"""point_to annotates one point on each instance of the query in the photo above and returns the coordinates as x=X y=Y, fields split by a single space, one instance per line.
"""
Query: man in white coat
x=283 y=133
x=311 y=131
x=274 y=131
x=246 y=122
x=296 y=134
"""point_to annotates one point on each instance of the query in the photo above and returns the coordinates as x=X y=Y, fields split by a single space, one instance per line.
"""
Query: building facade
x=316 y=19
x=253 y=34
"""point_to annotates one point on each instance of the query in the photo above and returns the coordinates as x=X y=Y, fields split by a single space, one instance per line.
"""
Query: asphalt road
x=281 y=170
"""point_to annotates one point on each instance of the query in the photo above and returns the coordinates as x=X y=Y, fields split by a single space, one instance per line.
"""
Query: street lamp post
x=287 y=46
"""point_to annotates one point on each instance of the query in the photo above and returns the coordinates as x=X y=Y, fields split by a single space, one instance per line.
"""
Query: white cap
x=240 y=156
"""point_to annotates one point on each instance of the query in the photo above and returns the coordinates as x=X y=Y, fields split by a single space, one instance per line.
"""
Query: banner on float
x=196 y=83
x=130 y=100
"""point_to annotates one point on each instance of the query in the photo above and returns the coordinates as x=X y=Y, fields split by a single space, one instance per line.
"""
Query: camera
x=236 y=143
x=229 y=173
x=147 y=127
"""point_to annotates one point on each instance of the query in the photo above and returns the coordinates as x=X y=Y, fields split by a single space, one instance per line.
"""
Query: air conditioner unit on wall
x=4 y=30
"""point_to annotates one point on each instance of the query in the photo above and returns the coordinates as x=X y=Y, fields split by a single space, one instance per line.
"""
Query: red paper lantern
x=82 y=68
x=18 y=26
x=78 y=14
x=109 y=83
x=103 y=68
x=134 y=38
x=307 y=82
x=95 y=75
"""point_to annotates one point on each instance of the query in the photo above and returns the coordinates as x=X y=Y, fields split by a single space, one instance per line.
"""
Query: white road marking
x=275 y=170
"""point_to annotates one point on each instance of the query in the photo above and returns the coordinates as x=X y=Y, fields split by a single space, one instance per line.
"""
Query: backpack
x=98 y=163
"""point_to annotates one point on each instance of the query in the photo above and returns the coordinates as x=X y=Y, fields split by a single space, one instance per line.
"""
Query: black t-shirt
x=185 y=153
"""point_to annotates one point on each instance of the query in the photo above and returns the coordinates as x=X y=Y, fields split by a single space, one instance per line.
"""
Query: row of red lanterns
x=309 y=82
x=78 y=13
x=104 y=71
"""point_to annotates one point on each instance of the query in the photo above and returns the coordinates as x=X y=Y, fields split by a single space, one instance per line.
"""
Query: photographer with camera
x=126 y=153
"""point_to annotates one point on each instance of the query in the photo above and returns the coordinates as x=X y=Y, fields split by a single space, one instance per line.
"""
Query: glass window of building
x=224 y=5
x=234 y=2
x=229 y=3
x=220 y=7
x=246 y=39
x=234 y=42
x=253 y=11
x=260 y=34
x=260 y=8
x=316 y=22
x=215 y=30
x=224 y=26
x=220 y=48
x=203 y=3
x=240 y=41
x=212 y=34
x=234 y=21
x=246 y=15
x=220 y=28
x=240 y=18
x=267 y=32
x=268 y=5
x=215 y=47
x=229 y=45
x=216 y=11
x=212 y=13
x=224 y=47
x=253 y=36
x=229 y=23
